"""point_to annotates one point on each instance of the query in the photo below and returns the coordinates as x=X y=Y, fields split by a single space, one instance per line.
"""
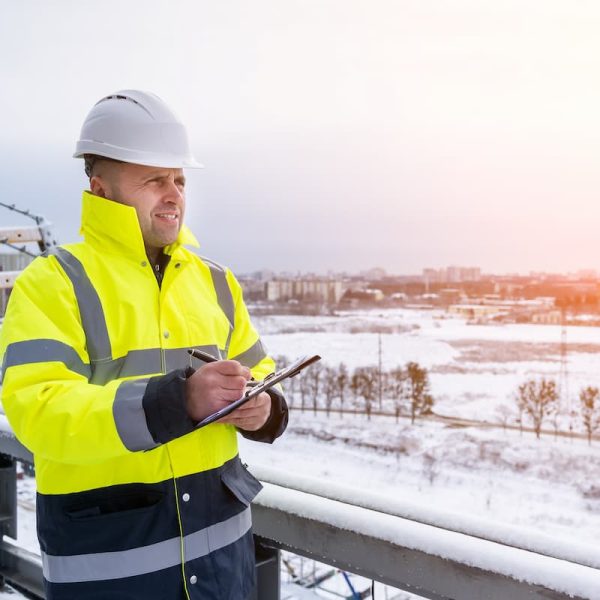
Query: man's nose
x=173 y=193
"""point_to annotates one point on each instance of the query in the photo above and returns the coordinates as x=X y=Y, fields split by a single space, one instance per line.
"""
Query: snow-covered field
x=473 y=369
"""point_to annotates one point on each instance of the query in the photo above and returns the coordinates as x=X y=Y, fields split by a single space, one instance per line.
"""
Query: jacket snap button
x=186 y=497
x=144 y=263
x=177 y=265
x=193 y=579
x=166 y=334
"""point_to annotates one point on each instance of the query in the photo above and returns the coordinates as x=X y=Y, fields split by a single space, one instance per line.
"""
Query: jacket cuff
x=276 y=423
x=165 y=406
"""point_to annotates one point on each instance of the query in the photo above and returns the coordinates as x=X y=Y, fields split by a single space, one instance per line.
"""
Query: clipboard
x=262 y=386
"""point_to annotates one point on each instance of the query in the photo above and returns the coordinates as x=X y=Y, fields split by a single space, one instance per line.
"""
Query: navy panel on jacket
x=107 y=519
x=217 y=538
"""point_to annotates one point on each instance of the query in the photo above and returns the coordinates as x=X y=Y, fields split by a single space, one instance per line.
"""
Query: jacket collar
x=114 y=227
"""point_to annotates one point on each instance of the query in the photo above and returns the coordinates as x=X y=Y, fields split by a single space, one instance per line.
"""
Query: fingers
x=213 y=386
x=252 y=415
x=230 y=368
x=257 y=403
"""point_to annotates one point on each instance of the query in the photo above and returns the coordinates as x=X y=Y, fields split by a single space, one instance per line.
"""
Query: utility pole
x=565 y=398
x=379 y=374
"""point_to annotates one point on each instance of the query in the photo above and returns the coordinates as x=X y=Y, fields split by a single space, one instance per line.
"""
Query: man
x=133 y=501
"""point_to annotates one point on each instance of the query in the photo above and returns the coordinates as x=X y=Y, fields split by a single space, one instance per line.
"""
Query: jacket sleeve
x=247 y=348
x=51 y=405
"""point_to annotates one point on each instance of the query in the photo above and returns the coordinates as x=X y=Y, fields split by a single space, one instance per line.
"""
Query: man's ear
x=97 y=186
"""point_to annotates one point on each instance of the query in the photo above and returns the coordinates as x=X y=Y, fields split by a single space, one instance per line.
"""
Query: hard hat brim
x=124 y=155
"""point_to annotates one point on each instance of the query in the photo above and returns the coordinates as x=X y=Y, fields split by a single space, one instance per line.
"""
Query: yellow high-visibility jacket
x=132 y=501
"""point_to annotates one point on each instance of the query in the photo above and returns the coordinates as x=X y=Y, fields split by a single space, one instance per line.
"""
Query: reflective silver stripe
x=253 y=355
x=179 y=358
x=147 y=559
x=216 y=536
x=90 y=308
x=224 y=297
x=134 y=364
x=147 y=362
x=130 y=418
x=42 y=350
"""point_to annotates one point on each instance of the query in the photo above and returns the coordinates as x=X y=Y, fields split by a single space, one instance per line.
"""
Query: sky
x=336 y=134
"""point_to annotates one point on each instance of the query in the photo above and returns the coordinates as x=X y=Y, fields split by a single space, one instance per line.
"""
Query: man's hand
x=214 y=386
x=252 y=415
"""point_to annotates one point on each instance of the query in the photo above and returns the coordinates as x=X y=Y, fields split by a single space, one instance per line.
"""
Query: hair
x=91 y=160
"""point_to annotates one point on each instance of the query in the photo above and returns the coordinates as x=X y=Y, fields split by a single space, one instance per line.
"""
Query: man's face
x=156 y=193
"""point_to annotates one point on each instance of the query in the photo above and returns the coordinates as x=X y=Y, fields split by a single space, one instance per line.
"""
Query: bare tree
x=397 y=387
x=421 y=401
x=342 y=381
x=504 y=414
x=304 y=385
x=539 y=400
x=316 y=373
x=366 y=379
x=329 y=387
x=590 y=410
x=356 y=386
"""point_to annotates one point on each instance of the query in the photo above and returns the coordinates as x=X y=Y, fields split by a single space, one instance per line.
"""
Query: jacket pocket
x=125 y=505
x=240 y=482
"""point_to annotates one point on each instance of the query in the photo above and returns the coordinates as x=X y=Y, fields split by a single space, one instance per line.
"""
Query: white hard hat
x=136 y=127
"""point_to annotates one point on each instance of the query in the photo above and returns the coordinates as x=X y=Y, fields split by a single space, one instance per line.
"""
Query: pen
x=209 y=358
x=205 y=356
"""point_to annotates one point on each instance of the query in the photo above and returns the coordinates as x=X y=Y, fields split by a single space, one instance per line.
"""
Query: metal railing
x=432 y=562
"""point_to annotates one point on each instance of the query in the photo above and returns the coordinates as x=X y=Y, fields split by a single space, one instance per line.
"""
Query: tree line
x=403 y=390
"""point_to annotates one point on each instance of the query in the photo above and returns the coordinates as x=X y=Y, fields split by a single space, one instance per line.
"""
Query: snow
x=428 y=513
x=560 y=576
x=547 y=489
x=26 y=525
x=473 y=368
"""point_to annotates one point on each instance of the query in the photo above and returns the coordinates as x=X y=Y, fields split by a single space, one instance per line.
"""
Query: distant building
x=374 y=274
x=549 y=317
x=451 y=295
x=307 y=290
x=360 y=296
x=477 y=311
x=262 y=275
x=492 y=308
x=451 y=274
x=587 y=274
x=431 y=276
x=399 y=297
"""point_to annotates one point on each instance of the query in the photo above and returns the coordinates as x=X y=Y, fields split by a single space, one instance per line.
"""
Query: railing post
x=268 y=581
x=8 y=496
